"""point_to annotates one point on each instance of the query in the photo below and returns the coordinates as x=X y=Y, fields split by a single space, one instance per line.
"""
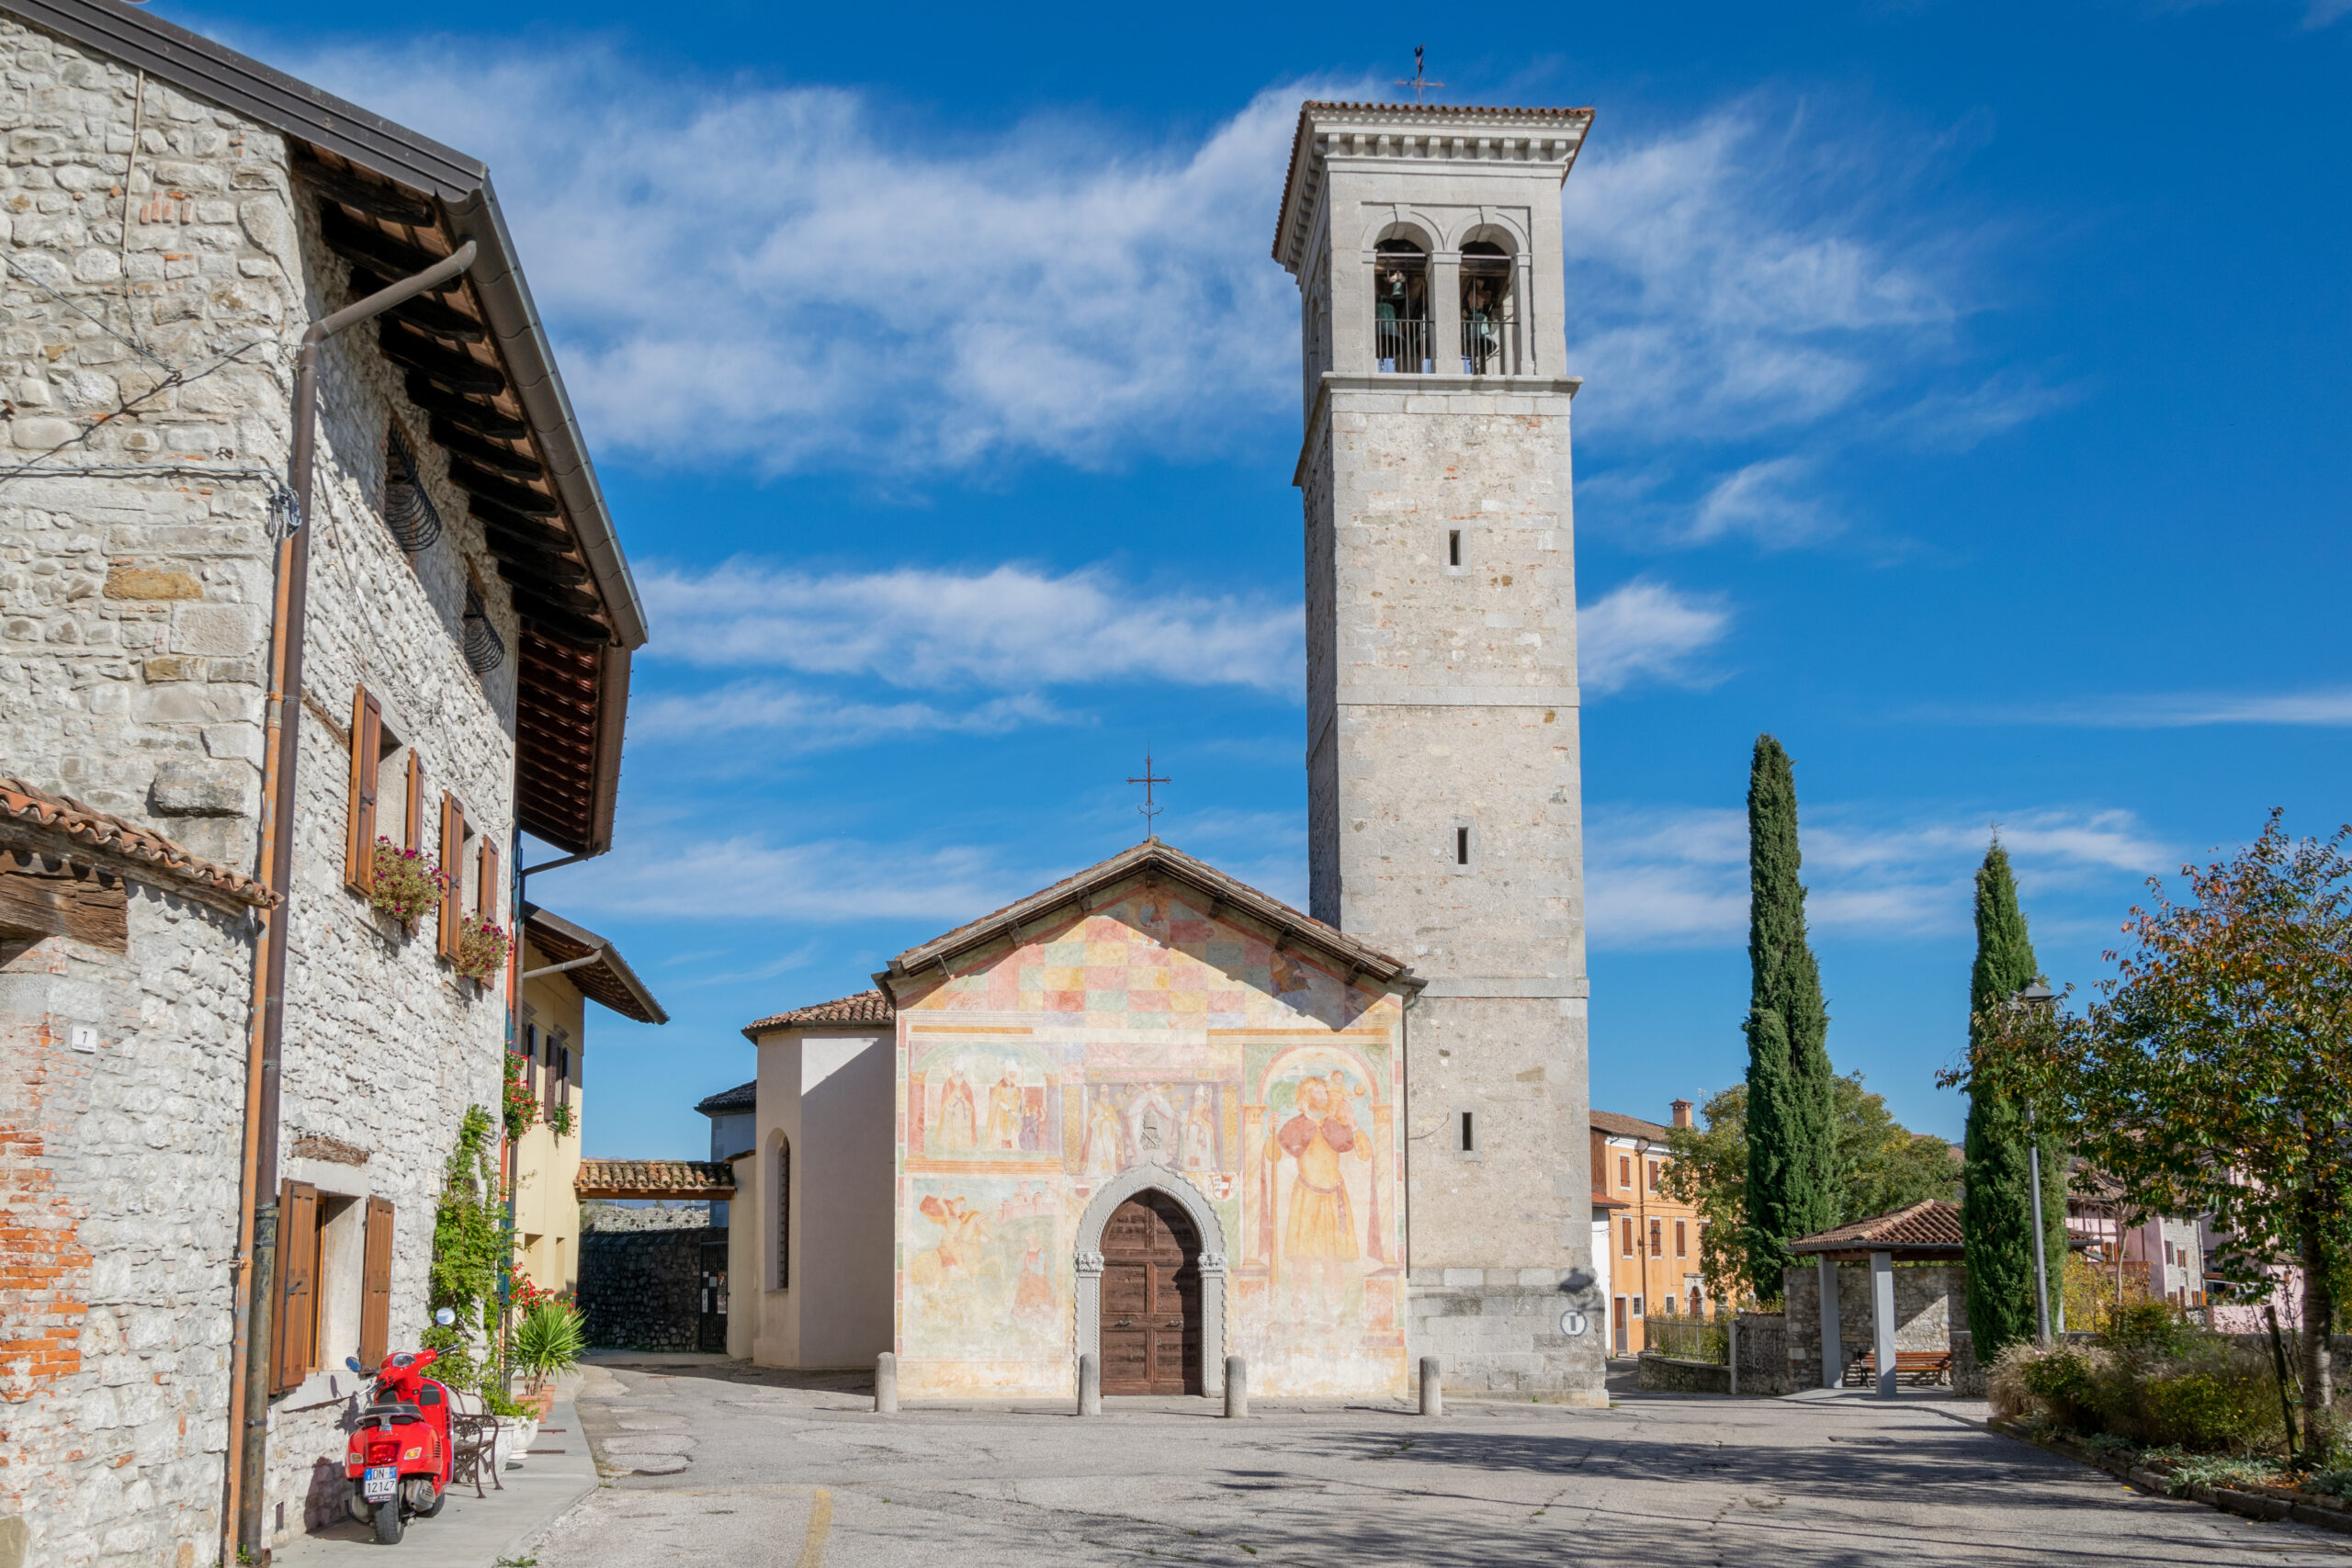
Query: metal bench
x=473 y=1446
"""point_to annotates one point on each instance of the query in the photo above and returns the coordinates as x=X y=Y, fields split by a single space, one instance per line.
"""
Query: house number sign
x=1572 y=1324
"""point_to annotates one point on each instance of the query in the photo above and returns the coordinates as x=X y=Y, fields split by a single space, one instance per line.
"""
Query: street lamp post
x=2041 y=999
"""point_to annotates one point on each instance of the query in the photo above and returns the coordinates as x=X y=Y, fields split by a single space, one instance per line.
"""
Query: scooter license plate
x=381 y=1482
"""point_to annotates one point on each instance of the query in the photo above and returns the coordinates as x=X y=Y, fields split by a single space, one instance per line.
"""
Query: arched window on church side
x=1400 y=309
x=1486 y=309
x=784 y=1214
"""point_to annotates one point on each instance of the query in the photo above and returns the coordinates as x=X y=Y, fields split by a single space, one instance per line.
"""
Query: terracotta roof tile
x=742 y=1097
x=654 y=1178
x=866 y=1007
x=1932 y=1226
x=1618 y=1126
x=145 y=850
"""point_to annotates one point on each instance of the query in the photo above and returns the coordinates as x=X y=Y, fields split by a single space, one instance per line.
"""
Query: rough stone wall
x=1452 y=691
x=1763 y=1354
x=1499 y=1330
x=1665 y=1375
x=133 y=639
x=596 y=1215
x=641 y=1289
x=117 y=1210
x=1930 y=1304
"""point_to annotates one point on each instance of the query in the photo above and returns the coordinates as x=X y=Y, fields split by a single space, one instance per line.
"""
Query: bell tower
x=1444 y=791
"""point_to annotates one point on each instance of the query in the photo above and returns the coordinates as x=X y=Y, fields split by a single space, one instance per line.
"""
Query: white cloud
x=2329 y=707
x=1678 y=877
x=1764 y=501
x=809 y=721
x=1011 y=627
x=667 y=873
x=1647 y=630
x=1729 y=278
x=784 y=274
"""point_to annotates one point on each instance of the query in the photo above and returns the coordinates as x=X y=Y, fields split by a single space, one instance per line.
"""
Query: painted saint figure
x=1321 y=1230
x=1004 y=1108
x=1103 y=1157
x=958 y=1124
x=1200 y=1134
x=1032 y=1294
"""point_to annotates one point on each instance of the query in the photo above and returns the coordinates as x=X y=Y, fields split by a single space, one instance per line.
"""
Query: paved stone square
x=763 y=1467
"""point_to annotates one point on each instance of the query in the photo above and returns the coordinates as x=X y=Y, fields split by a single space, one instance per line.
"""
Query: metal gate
x=712 y=1332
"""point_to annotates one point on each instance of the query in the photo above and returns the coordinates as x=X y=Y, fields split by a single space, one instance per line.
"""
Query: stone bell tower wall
x=1443 y=755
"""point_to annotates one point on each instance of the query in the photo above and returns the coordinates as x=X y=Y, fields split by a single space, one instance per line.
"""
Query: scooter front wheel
x=389 y=1523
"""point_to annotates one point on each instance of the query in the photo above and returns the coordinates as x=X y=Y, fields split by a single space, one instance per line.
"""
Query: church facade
x=1153 y=1115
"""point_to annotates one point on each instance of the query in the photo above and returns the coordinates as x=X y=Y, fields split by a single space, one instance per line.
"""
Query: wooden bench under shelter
x=1917 y=1368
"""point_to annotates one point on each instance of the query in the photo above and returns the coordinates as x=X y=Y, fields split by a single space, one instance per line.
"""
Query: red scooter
x=397 y=1461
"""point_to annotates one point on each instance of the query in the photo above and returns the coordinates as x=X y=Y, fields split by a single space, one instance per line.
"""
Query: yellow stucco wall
x=1148 y=1033
x=547 y=1215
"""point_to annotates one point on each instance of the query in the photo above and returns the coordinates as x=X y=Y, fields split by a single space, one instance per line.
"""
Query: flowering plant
x=522 y=1295
x=559 y=1117
x=482 y=949
x=405 y=884
x=522 y=1105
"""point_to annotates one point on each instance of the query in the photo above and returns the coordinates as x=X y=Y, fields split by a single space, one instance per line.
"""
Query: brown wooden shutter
x=296 y=1319
x=486 y=887
x=415 y=814
x=453 y=845
x=376 y=1285
x=366 y=755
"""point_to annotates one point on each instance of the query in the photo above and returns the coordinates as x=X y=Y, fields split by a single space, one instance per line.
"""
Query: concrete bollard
x=1236 y=1388
x=885 y=1385
x=1089 y=1385
x=1432 y=1388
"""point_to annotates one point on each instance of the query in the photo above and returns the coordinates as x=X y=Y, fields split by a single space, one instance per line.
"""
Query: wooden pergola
x=1926 y=1232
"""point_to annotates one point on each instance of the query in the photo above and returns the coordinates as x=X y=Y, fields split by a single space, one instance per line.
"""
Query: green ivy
x=472 y=1244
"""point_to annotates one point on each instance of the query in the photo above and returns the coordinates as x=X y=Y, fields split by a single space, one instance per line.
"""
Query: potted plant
x=522 y=1107
x=547 y=1342
x=406 y=884
x=482 y=949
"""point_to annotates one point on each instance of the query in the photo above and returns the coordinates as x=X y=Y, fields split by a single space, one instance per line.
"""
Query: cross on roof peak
x=1150 y=808
x=1418 y=81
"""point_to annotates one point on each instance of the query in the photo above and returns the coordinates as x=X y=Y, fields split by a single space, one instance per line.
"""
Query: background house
x=1653 y=1244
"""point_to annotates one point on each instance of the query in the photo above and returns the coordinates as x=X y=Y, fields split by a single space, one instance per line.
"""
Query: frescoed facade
x=1150 y=1034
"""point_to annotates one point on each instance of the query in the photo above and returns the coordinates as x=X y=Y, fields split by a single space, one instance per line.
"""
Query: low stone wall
x=1763 y=1352
x=641 y=1289
x=1931 y=1306
x=1665 y=1375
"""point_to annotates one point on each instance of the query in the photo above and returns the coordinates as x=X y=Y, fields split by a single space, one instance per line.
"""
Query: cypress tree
x=1996 y=1203
x=1791 y=1135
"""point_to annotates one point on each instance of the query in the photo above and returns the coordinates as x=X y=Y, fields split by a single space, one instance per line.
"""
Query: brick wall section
x=133 y=639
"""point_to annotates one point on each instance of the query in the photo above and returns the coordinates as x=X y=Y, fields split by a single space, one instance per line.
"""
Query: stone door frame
x=1128 y=1183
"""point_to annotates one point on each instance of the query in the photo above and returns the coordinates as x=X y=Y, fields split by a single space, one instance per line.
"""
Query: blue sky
x=1965 y=405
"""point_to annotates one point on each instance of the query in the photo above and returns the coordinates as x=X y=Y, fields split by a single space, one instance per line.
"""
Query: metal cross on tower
x=1151 y=808
x=1419 y=83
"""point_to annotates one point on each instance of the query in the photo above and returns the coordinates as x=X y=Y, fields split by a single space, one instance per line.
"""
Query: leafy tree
x=1883 y=1165
x=1792 y=1171
x=1997 y=1210
x=2214 y=1073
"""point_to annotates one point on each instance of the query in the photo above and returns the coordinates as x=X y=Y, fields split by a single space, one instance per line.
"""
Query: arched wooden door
x=1151 y=1299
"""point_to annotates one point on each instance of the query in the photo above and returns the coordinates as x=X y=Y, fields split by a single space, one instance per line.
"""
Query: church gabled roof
x=1225 y=896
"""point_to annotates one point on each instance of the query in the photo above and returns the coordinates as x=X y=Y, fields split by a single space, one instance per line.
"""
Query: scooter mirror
x=444 y=1318
x=353 y=1362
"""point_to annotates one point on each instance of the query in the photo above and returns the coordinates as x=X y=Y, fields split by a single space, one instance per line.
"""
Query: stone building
x=179 y=216
x=564 y=967
x=1444 y=797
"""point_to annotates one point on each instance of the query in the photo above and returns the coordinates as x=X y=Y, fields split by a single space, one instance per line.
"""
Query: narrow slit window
x=1462 y=846
x=1453 y=547
x=1469 y=1135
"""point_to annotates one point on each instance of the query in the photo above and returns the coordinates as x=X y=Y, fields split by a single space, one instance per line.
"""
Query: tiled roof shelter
x=866 y=1007
x=654 y=1179
x=1926 y=1232
x=32 y=817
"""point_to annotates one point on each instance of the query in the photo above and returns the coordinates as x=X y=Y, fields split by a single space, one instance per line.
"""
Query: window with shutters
x=387 y=792
x=294 y=1321
x=455 y=835
x=782 y=1193
x=1625 y=1172
x=1658 y=1238
x=531 y=1058
x=376 y=1284
x=1625 y=1232
x=559 y=1075
x=1681 y=1238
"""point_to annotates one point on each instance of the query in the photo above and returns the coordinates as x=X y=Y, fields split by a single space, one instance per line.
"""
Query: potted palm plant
x=548 y=1343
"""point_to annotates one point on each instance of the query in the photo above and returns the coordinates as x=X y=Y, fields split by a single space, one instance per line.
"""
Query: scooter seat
x=398 y=1411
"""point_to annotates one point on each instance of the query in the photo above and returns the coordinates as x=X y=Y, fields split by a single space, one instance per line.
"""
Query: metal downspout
x=249 y=1356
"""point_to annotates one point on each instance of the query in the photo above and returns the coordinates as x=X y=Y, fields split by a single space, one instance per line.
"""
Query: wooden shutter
x=376 y=1285
x=366 y=755
x=296 y=1327
x=415 y=814
x=555 y=1074
x=486 y=883
x=453 y=845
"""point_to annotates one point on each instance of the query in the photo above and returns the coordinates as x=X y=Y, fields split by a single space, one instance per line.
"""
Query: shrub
x=2159 y=1381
